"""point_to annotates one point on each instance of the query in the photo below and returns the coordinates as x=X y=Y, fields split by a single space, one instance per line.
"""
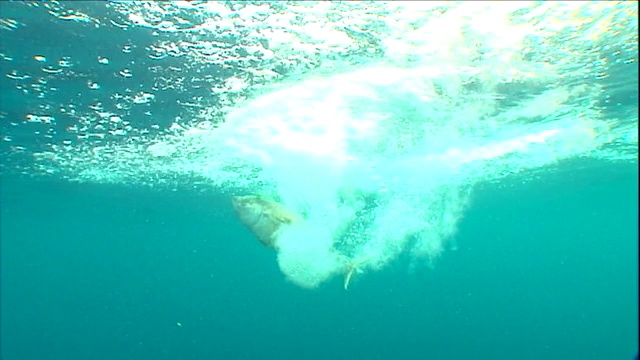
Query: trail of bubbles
x=373 y=120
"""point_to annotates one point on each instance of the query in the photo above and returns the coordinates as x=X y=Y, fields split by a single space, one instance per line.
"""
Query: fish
x=264 y=217
x=267 y=218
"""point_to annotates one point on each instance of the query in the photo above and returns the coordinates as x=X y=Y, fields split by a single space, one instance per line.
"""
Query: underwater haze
x=440 y=180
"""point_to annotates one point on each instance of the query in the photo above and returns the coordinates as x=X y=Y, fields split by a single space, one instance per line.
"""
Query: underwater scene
x=318 y=180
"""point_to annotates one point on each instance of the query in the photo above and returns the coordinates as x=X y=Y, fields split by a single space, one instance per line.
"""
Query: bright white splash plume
x=372 y=121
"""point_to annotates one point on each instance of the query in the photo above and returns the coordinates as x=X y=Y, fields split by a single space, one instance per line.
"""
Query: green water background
x=546 y=269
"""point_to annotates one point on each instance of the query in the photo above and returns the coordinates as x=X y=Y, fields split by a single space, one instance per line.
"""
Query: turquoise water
x=477 y=193
x=90 y=272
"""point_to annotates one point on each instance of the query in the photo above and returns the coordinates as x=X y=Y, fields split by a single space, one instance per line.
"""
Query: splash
x=372 y=127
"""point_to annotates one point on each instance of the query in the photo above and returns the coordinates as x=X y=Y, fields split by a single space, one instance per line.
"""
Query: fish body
x=265 y=218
